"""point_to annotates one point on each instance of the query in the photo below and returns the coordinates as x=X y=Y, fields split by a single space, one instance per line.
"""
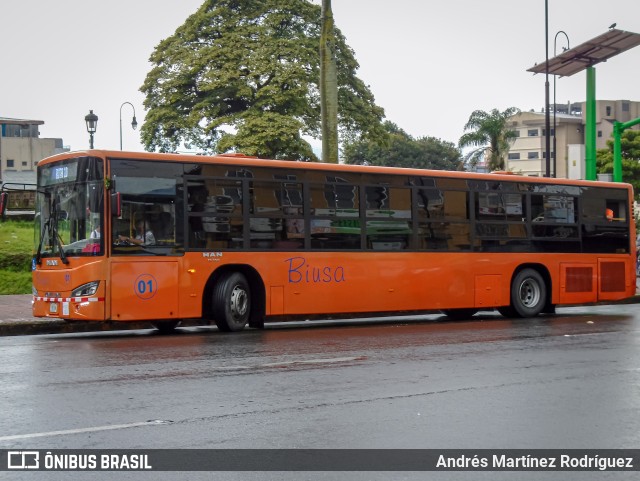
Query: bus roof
x=245 y=160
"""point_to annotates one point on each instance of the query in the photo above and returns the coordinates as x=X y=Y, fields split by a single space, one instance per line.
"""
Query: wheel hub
x=239 y=303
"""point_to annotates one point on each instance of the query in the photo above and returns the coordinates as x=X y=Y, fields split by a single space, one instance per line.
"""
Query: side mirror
x=116 y=204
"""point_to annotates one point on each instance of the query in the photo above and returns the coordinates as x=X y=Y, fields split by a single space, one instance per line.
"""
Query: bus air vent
x=579 y=279
x=612 y=276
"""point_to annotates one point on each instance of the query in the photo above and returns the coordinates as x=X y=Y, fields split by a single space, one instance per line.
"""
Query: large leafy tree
x=242 y=75
x=399 y=149
x=630 y=150
x=488 y=132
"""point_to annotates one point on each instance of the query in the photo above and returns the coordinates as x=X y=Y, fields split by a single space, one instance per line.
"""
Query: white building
x=527 y=154
x=21 y=148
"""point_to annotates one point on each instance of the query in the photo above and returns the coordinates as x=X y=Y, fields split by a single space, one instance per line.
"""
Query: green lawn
x=16 y=251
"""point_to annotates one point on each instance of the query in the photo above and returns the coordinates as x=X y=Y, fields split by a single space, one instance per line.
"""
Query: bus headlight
x=88 y=289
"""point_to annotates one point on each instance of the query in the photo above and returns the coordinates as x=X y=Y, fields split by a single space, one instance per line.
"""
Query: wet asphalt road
x=566 y=381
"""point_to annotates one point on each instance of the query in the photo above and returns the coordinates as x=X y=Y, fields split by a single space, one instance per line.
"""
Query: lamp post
x=134 y=122
x=547 y=122
x=92 y=124
x=555 y=53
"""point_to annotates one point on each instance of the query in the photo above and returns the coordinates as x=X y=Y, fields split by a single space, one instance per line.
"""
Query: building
x=527 y=154
x=21 y=148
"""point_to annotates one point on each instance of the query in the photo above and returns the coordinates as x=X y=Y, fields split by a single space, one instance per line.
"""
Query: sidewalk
x=17 y=320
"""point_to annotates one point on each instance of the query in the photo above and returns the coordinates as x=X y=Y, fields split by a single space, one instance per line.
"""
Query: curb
x=36 y=326
x=30 y=327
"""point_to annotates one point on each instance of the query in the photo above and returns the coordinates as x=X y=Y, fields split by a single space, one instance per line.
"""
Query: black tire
x=528 y=293
x=166 y=327
x=231 y=302
x=459 y=314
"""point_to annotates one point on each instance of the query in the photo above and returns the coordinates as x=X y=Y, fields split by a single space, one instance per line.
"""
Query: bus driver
x=142 y=238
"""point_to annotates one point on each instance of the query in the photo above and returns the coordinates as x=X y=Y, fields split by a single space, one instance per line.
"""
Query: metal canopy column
x=590 y=126
x=585 y=56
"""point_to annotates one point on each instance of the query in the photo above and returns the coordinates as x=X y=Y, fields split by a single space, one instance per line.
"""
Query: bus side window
x=615 y=211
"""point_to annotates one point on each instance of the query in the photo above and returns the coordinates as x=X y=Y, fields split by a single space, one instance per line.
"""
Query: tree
x=488 y=132
x=399 y=149
x=243 y=75
x=328 y=86
x=630 y=149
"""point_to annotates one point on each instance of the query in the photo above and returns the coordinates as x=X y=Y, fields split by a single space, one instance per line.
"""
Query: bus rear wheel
x=528 y=293
x=231 y=302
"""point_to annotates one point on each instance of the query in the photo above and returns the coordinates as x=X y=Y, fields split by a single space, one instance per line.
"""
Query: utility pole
x=328 y=86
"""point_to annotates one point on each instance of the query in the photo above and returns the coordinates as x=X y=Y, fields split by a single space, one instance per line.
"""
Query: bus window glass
x=554 y=218
x=436 y=204
x=500 y=220
x=388 y=211
x=69 y=208
x=277 y=217
x=605 y=223
x=151 y=194
x=215 y=214
x=490 y=206
x=555 y=209
x=335 y=215
x=443 y=220
x=444 y=236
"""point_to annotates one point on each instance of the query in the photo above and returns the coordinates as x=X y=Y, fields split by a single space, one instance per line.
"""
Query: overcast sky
x=428 y=63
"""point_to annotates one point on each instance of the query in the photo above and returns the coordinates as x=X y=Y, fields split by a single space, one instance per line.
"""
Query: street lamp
x=92 y=124
x=134 y=122
x=547 y=123
x=555 y=54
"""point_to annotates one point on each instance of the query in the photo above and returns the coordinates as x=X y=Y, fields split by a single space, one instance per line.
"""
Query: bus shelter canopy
x=589 y=53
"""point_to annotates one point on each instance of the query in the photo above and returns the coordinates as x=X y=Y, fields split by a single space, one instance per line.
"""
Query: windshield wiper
x=44 y=232
x=58 y=241
x=51 y=230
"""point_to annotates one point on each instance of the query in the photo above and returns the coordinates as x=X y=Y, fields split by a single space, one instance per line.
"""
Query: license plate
x=53 y=308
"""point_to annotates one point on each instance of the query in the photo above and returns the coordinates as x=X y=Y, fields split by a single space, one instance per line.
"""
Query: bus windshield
x=69 y=209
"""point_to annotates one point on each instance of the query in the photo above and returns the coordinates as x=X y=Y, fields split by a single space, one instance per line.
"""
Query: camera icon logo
x=23 y=460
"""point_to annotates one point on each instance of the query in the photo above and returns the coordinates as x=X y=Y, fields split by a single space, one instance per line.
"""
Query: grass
x=16 y=251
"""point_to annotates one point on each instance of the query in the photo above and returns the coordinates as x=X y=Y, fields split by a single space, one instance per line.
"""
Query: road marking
x=155 y=422
x=83 y=430
x=333 y=360
x=312 y=361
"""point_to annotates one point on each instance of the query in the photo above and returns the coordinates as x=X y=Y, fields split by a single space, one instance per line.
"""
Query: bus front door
x=144 y=290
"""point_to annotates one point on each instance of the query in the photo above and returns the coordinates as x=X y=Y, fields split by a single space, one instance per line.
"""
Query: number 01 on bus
x=236 y=240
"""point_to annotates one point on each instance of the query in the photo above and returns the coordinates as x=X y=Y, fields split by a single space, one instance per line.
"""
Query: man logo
x=23 y=460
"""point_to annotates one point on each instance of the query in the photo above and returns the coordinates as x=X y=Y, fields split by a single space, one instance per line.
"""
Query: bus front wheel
x=231 y=302
x=528 y=293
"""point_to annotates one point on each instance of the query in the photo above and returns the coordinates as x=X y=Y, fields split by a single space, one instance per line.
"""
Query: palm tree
x=488 y=132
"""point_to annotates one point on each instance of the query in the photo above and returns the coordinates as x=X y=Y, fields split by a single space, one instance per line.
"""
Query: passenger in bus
x=143 y=237
x=95 y=234
x=609 y=214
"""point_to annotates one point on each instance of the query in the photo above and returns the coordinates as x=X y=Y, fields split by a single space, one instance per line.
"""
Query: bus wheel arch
x=221 y=285
x=529 y=291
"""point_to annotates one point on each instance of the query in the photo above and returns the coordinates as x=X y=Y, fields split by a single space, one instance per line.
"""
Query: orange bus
x=238 y=240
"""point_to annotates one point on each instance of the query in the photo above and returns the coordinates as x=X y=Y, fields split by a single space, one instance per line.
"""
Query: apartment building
x=527 y=154
x=21 y=148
